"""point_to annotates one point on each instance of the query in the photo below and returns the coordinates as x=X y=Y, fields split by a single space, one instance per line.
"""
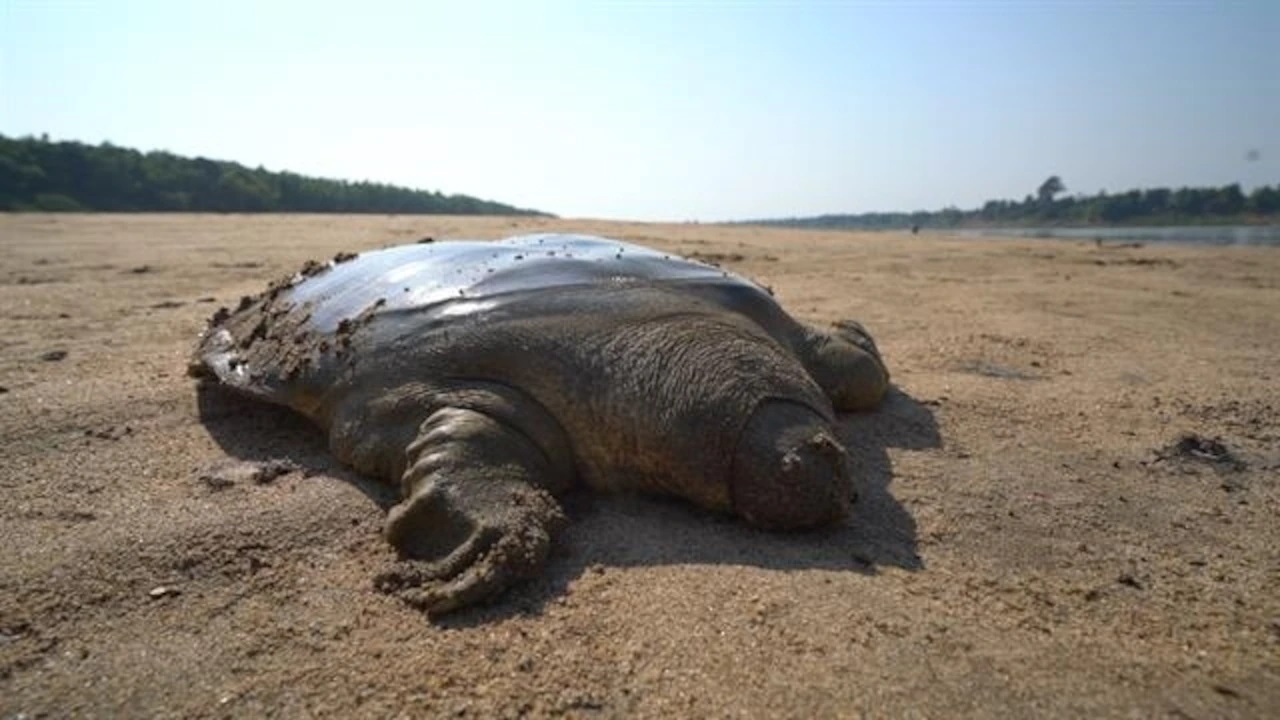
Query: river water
x=1197 y=234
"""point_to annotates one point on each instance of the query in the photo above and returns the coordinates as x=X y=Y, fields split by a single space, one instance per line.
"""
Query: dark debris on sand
x=228 y=473
x=1196 y=448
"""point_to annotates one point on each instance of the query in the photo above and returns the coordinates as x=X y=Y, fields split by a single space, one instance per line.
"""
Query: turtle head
x=789 y=471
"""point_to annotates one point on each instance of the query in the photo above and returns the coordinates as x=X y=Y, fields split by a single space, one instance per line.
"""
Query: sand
x=1034 y=540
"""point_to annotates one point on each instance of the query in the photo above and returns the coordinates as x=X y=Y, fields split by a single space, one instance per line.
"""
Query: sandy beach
x=1071 y=499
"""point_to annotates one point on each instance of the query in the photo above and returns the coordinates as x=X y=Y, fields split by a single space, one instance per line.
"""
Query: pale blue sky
x=668 y=111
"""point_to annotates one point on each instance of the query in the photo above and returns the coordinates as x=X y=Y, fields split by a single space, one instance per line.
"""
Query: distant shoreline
x=1153 y=207
x=1258 y=235
x=1265 y=234
x=1226 y=221
x=1243 y=220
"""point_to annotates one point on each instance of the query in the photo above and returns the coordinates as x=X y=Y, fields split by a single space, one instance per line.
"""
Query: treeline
x=37 y=174
x=1157 y=206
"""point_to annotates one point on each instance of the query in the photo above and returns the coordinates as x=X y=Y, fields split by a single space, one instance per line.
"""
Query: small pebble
x=163 y=591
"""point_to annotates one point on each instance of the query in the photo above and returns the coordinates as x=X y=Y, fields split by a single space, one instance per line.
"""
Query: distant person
x=915 y=229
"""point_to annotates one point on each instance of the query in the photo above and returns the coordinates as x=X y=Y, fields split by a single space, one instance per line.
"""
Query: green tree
x=1228 y=200
x=1264 y=199
x=1050 y=187
x=36 y=173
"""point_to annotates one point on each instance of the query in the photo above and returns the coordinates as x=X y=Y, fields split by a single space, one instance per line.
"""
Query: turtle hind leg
x=478 y=512
x=846 y=363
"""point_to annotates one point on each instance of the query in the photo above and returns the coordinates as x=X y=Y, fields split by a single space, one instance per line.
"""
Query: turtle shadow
x=629 y=530
x=252 y=430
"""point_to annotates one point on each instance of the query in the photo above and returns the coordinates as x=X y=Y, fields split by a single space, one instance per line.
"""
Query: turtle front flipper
x=478 y=512
x=846 y=364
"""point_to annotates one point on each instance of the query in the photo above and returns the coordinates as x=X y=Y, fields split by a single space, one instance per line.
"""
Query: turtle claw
x=473 y=586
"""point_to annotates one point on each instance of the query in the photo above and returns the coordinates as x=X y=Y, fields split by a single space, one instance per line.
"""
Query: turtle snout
x=789 y=471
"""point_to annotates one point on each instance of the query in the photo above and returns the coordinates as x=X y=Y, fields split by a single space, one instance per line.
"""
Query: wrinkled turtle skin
x=487 y=378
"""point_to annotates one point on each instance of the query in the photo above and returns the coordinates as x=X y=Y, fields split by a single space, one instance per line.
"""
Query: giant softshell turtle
x=487 y=378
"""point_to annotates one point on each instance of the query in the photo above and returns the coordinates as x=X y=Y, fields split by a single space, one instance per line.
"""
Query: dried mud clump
x=312 y=268
x=225 y=474
x=272 y=331
x=347 y=327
